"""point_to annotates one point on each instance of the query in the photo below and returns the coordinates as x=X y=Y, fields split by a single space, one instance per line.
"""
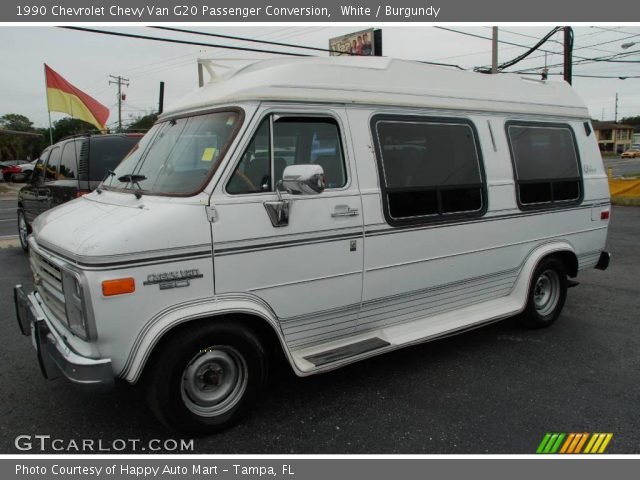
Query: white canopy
x=378 y=81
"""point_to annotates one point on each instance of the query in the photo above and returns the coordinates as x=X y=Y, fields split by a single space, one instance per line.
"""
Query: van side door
x=428 y=248
x=309 y=268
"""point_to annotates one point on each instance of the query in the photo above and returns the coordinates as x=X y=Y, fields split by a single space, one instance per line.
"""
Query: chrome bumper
x=54 y=356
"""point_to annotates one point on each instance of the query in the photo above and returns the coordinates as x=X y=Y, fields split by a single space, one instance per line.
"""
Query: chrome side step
x=346 y=351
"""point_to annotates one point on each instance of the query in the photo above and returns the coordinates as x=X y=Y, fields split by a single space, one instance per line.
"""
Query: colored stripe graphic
x=598 y=443
x=568 y=443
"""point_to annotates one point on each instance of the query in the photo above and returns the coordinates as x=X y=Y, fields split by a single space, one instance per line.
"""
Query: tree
x=65 y=127
x=15 y=121
x=19 y=147
x=142 y=122
x=631 y=120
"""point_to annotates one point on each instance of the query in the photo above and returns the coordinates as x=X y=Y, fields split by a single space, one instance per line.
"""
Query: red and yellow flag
x=64 y=97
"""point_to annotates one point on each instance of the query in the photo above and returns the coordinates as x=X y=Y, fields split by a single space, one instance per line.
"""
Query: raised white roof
x=378 y=81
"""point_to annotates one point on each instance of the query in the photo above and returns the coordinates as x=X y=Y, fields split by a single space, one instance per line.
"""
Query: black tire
x=547 y=294
x=23 y=230
x=179 y=404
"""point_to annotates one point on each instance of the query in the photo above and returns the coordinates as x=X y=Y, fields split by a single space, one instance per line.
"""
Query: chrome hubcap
x=23 y=230
x=546 y=292
x=214 y=380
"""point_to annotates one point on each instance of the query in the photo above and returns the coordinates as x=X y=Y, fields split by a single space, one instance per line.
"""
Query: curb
x=9 y=242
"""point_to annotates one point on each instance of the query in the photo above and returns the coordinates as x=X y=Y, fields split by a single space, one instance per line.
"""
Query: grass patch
x=10 y=187
x=626 y=201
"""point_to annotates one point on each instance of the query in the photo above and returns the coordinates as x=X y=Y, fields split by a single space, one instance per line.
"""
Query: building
x=636 y=136
x=613 y=137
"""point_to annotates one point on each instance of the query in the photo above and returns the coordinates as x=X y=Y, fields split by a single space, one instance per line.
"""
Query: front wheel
x=547 y=294
x=23 y=230
x=206 y=377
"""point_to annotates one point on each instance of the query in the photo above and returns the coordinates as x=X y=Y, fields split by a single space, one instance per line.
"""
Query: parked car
x=10 y=168
x=631 y=153
x=279 y=213
x=70 y=168
x=25 y=171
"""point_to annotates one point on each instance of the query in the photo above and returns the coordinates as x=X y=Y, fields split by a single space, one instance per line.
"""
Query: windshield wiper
x=134 y=179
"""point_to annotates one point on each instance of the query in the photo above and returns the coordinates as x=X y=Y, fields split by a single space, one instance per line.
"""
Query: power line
x=244 y=39
x=615 y=30
x=526 y=46
x=584 y=61
x=620 y=77
x=183 y=42
x=521 y=57
x=594 y=45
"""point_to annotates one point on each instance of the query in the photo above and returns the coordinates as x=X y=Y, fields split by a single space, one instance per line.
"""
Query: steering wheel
x=246 y=180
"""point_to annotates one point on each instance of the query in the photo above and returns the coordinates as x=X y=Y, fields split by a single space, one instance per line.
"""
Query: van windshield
x=176 y=157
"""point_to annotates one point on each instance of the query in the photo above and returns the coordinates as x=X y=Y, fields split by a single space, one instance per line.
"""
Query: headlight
x=74 y=304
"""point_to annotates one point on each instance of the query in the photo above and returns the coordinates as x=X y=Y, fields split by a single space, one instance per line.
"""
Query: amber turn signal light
x=119 y=286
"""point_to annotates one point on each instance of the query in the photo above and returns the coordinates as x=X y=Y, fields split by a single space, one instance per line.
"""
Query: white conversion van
x=322 y=209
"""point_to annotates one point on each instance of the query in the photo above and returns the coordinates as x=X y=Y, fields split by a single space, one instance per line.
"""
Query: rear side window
x=430 y=169
x=51 y=172
x=546 y=164
x=69 y=160
x=107 y=152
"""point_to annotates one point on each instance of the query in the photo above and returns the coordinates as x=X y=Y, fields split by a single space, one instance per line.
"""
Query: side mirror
x=304 y=179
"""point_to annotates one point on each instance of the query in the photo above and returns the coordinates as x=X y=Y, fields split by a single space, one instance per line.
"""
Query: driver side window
x=295 y=141
x=253 y=173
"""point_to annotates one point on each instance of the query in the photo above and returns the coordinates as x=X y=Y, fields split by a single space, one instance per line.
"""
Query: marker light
x=604 y=215
x=118 y=286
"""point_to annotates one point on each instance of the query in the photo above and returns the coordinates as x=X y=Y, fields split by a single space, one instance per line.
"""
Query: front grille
x=48 y=280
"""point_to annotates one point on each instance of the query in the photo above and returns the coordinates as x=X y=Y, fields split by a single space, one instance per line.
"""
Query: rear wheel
x=206 y=378
x=547 y=294
x=23 y=230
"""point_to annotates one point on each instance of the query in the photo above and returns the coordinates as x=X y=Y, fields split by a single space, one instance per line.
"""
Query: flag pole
x=48 y=111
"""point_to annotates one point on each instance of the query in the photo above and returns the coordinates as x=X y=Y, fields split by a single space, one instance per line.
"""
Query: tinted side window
x=295 y=140
x=430 y=168
x=42 y=161
x=311 y=140
x=106 y=153
x=51 y=171
x=69 y=160
x=546 y=164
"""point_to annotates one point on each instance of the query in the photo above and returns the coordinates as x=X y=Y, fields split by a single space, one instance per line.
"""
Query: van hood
x=111 y=226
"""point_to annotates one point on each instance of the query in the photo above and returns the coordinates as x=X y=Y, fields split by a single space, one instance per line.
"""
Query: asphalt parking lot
x=8 y=221
x=623 y=166
x=498 y=389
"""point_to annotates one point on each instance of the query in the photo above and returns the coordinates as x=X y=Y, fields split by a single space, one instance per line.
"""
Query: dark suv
x=70 y=168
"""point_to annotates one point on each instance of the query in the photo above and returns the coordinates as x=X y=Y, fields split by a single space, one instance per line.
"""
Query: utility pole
x=568 y=52
x=119 y=81
x=161 y=99
x=494 y=51
x=616 y=114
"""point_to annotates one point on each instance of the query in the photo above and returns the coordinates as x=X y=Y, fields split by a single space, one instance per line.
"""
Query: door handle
x=345 y=211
